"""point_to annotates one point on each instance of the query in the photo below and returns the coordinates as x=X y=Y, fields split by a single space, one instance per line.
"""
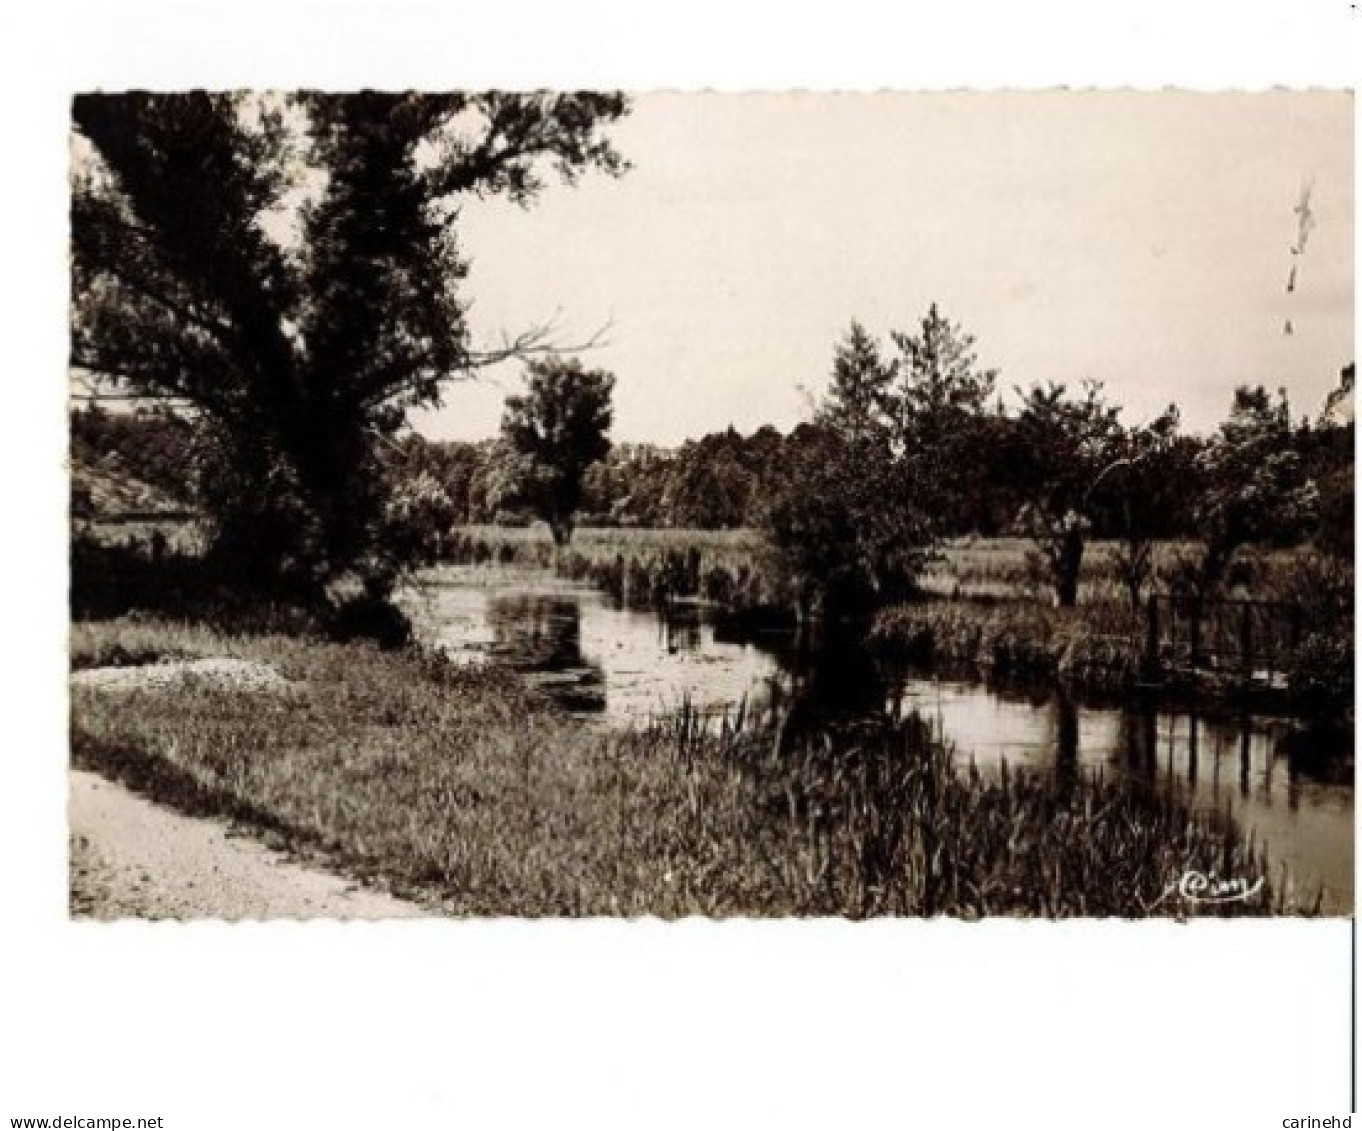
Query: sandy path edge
x=133 y=858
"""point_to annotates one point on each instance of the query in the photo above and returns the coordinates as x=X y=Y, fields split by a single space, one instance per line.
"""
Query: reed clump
x=1098 y=646
x=731 y=569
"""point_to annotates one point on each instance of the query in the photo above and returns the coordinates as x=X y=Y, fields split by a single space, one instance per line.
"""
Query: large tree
x=923 y=404
x=939 y=400
x=1329 y=449
x=1142 y=493
x=845 y=516
x=1258 y=489
x=553 y=434
x=286 y=267
x=858 y=403
x=844 y=525
x=1061 y=449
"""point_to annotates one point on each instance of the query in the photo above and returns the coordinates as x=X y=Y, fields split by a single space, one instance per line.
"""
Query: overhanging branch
x=538 y=341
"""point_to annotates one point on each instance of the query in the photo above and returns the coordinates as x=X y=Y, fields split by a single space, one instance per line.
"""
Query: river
x=1290 y=784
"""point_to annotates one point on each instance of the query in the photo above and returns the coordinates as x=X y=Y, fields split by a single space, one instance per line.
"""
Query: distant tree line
x=151 y=446
x=911 y=444
x=1014 y=460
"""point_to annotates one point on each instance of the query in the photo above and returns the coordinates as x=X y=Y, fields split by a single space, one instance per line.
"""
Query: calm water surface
x=1292 y=786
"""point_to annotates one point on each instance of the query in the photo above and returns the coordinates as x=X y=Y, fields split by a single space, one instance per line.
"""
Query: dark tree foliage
x=1328 y=452
x=1257 y=486
x=940 y=402
x=629 y=486
x=147 y=445
x=895 y=461
x=844 y=526
x=455 y=465
x=286 y=267
x=1062 y=447
x=709 y=487
x=1137 y=497
x=722 y=480
x=860 y=404
x=921 y=402
x=845 y=516
x=552 y=435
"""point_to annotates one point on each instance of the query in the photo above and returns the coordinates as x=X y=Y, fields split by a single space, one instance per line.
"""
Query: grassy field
x=736 y=567
x=467 y=790
x=994 y=615
x=1003 y=567
x=1009 y=568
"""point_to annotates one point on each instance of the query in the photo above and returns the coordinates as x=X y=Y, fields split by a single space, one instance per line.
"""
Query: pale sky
x=1140 y=239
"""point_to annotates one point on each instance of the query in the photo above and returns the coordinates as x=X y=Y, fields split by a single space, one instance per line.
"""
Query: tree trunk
x=1215 y=563
x=1136 y=564
x=1068 y=563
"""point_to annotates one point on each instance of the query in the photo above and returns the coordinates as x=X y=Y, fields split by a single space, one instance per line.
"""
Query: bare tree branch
x=537 y=341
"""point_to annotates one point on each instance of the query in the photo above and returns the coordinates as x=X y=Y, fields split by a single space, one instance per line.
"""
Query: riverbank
x=1101 y=649
x=984 y=607
x=469 y=791
x=1097 y=647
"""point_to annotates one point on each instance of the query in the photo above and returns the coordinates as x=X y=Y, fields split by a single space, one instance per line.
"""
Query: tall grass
x=534 y=545
x=1102 y=644
x=1099 y=646
x=640 y=568
x=468 y=790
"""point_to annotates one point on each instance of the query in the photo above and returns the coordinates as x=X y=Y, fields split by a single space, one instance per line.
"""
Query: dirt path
x=133 y=858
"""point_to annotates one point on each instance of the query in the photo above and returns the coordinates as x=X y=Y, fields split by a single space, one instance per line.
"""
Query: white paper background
x=601 y=1024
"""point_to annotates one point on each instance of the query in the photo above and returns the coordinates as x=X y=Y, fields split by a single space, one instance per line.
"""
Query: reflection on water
x=1291 y=786
x=537 y=630
x=541 y=634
